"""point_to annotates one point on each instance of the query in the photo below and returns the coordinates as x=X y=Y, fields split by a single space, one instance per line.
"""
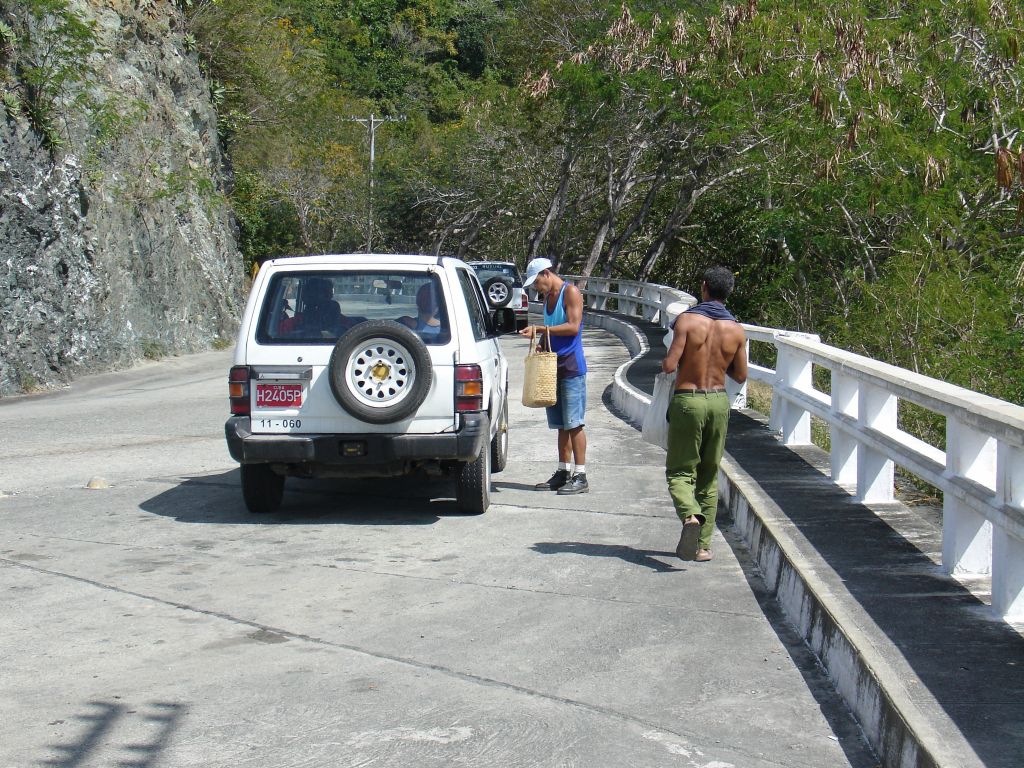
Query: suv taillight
x=469 y=388
x=525 y=302
x=238 y=390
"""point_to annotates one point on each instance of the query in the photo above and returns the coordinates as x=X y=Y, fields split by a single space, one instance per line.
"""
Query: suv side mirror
x=504 y=321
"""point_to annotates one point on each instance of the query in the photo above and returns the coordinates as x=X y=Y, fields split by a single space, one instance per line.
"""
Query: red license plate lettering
x=278 y=395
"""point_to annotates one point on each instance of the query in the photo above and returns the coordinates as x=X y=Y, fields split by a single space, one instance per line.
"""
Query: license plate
x=278 y=395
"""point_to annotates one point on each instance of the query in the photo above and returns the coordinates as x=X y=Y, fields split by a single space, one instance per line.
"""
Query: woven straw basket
x=540 y=380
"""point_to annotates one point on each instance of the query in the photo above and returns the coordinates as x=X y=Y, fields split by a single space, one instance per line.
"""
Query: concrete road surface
x=155 y=622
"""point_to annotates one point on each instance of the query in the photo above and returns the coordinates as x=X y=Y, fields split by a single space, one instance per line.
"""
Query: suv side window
x=477 y=315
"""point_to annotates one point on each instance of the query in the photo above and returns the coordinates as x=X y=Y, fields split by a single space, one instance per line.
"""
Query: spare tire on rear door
x=380 y=371
x=498 y=291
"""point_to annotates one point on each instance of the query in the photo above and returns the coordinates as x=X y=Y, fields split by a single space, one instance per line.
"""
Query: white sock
x=581 y=469
x=564 y=465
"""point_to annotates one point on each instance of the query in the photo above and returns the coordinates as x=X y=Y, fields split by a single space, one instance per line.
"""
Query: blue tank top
x=571 y=362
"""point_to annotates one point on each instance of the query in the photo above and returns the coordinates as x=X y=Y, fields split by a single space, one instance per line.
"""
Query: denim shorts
x=567 y=412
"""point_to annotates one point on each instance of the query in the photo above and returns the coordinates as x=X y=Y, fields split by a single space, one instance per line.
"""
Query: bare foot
x=703 y=555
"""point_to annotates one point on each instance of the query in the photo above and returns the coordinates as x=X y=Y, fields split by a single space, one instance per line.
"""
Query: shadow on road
x=499 y=485
x=160 y=720
x=644 y=557
x=413 y=500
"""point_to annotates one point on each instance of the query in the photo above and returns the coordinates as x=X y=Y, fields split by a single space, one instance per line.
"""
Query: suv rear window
x=318 y=307
x=485 y=271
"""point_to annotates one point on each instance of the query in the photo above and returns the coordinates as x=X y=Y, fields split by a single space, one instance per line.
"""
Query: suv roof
x=375 y=259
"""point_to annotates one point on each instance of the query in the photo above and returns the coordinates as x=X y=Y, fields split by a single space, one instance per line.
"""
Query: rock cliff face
x=116 y=242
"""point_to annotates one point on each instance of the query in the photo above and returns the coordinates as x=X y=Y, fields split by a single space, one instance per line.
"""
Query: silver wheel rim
x=380 y=373
x=497 y=293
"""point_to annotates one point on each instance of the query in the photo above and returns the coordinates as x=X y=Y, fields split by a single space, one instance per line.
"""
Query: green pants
x=697 y=424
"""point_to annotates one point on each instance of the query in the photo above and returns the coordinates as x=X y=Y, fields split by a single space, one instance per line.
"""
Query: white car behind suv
x=503 y=286
x=368 y=366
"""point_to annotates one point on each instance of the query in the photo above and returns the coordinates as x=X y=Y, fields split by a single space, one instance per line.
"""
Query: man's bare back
x=703 y=351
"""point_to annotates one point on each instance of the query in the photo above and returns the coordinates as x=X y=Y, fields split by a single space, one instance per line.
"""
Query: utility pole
x=371 y=123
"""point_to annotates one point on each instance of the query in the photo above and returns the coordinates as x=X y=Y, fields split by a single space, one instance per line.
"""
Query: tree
x=295 y=154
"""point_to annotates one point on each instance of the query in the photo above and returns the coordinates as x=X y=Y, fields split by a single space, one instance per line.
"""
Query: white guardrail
x=648 y=301
x=981 y=472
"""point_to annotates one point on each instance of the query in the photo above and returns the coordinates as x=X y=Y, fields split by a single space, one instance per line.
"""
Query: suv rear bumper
x=377 y=450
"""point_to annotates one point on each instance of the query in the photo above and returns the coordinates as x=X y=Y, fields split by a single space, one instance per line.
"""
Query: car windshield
x=318 y=307
x=488 y=270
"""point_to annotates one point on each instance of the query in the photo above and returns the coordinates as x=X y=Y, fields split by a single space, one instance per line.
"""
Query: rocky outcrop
x=116 y=241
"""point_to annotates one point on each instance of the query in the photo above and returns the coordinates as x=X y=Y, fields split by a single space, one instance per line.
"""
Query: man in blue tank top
x=563 y=319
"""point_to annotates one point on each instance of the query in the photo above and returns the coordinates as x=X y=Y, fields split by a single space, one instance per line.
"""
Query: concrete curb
x=866 y=673
x=628 y=399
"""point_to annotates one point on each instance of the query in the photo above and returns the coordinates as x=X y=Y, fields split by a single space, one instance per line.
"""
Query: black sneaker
x=578 y=484
x=554 y=482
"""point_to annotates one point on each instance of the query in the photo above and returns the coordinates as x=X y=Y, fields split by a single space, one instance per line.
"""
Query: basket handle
x=533 y=341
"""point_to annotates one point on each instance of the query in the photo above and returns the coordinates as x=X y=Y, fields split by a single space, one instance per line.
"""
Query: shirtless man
x=707 y=344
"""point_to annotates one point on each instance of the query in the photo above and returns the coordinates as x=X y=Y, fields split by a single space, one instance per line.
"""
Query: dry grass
x=759 y=398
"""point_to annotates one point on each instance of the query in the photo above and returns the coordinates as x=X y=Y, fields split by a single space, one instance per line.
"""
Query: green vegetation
x=859 y=165
x=51 y=46
x=153 y=349
x=29 y=384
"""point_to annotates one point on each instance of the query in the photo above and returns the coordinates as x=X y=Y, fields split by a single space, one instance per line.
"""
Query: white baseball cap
x=534 y=268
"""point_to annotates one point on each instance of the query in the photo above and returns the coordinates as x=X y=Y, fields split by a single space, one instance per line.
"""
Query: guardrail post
x=775 y=417
x=876 y=409
x=601 y=302
x=1007 y=548
x=589 y=299
x=793 y=371
x=966 y=533
x=649 y=312
x=737 y=392
x=843 y=457
x=630 y=307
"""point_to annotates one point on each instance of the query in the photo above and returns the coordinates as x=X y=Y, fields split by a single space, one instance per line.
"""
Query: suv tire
x=262 y=488
x=473 y=483
x=499 y=445
x=380 y=371
x=498 y=291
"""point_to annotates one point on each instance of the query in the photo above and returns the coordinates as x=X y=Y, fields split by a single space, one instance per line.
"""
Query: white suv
x=368 y=366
